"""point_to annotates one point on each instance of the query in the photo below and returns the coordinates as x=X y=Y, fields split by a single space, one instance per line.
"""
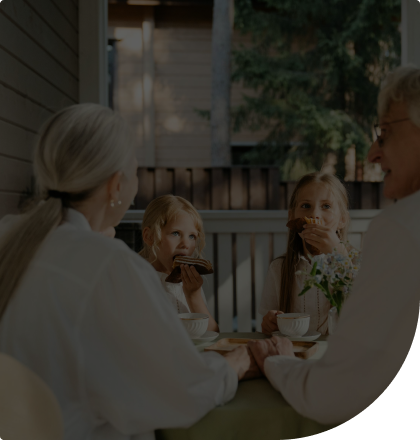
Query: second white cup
x=293 y=324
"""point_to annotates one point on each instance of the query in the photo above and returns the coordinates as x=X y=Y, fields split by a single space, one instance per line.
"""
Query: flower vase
x=332 y=320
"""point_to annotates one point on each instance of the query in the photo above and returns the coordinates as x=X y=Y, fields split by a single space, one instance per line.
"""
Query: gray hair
x=402 y=85
x=79 y=149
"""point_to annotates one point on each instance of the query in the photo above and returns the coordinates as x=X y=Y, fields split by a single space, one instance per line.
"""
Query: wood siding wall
x=239 y=188
x=39 y=70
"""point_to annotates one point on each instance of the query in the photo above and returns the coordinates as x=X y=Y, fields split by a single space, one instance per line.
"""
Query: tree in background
x=314 y=68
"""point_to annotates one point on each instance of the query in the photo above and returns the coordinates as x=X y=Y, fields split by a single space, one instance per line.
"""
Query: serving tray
x=303 y=350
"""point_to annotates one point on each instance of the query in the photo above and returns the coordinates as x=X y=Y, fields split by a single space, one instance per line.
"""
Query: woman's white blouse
x=175 y=294
x=312 y=302
x=90 y=317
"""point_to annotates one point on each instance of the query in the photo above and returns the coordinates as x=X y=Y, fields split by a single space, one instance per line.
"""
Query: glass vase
x=332 y=320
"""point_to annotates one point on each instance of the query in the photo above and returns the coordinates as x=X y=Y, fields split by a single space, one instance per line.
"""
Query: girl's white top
x=313 y=302
x=375 y=329
x=175 y=294
x=91 y=319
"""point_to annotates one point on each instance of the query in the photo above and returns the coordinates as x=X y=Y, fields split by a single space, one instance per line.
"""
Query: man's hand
x=269 y=322
x=323 y=238
x=264 y=348
x=243 y=362
x=191 y=280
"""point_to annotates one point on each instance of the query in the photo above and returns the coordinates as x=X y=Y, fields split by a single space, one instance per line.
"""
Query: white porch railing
x=241 y=245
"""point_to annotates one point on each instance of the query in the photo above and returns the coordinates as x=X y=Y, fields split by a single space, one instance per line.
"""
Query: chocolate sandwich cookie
x=203 y=267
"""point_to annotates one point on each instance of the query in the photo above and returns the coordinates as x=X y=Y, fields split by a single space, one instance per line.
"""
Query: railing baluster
x=225 y=282
x=243 y=282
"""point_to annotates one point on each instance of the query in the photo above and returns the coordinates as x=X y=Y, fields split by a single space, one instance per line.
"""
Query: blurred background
x=303 y=82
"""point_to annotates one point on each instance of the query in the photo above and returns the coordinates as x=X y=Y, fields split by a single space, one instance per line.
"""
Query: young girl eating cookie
x=172 y=227
x=317 y=196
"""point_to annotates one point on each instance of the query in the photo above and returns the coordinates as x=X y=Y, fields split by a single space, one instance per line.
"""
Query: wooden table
x=256 y=412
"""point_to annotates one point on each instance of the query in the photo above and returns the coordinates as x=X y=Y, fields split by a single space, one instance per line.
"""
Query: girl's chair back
x=28 y=408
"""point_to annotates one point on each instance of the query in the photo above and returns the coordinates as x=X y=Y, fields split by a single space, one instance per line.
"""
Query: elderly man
x=377 y=324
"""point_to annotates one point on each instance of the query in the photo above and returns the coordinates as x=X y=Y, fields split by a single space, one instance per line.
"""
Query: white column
x=93 y=55
x=410 y=32
x=148 y=27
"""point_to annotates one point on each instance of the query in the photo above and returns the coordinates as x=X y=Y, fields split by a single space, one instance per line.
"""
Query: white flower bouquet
x=333 y=274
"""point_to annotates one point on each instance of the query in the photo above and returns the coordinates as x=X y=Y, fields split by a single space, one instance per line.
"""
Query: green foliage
x=313 y=69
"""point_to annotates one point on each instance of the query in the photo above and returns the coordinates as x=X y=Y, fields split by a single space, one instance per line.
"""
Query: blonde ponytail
x=79 y=149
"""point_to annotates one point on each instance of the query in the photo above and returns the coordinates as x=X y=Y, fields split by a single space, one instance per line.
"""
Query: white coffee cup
x=293 y=324
x=195 y=323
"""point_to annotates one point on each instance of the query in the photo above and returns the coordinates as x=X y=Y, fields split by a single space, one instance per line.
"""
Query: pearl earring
x=112 y=204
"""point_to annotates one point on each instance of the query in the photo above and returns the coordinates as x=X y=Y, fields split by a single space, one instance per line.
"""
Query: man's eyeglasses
x=381 y=128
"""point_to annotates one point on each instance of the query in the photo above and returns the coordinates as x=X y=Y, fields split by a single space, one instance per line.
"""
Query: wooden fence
x=241 y=245
x=239 y=188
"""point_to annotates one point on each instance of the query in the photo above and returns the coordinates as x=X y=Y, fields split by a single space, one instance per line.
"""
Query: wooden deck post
x=148 y=27
x=93 y=55
x=223 y=12
x=410 y=32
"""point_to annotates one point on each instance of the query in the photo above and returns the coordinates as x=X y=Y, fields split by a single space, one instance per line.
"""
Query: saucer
x=207 y=337
x=309 y=336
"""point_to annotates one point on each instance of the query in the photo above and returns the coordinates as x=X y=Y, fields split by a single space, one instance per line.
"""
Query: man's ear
x=147 y=236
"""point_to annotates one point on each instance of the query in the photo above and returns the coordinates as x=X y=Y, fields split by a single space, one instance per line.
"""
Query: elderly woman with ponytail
x=86 y=313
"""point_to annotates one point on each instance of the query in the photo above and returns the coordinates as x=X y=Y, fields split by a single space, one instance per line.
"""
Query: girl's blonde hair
x=159 y=213
x=295 y=243
x=79 y=149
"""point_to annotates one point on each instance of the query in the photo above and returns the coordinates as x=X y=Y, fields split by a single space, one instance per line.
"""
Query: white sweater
x=90 y=317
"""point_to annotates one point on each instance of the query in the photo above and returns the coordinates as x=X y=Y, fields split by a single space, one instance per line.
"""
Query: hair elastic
x=57 y=194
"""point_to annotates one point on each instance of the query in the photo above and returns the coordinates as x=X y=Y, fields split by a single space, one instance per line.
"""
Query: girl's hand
x=191 y=280
x=269 y=322
x=323 y=238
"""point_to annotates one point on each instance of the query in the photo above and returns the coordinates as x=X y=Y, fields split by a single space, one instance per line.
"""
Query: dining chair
x=28 y=408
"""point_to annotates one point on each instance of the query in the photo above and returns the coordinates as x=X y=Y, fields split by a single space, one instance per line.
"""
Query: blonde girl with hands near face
x=173 y=227
x=316 y=195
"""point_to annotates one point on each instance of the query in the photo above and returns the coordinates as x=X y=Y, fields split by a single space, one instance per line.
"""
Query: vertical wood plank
x=219 y=188
x=208 y=285
x=225 y=282
x=283 y=196
x=261 y=265
x=274 y=196
x=238 y=189
x=146 y=192
x=353 y=189
x=257 y=188
x=279 y=244
x=182 y=183
x=201 y=188
x=290 y=187
x=243 y=282
x=164 y=181
x=367 y=196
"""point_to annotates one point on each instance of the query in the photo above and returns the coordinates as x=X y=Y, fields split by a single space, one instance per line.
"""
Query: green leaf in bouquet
x=313 y=271
x=304 y=290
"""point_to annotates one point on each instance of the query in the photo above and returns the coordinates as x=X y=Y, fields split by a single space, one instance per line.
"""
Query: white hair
x=402 y=85
x=79 y=149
